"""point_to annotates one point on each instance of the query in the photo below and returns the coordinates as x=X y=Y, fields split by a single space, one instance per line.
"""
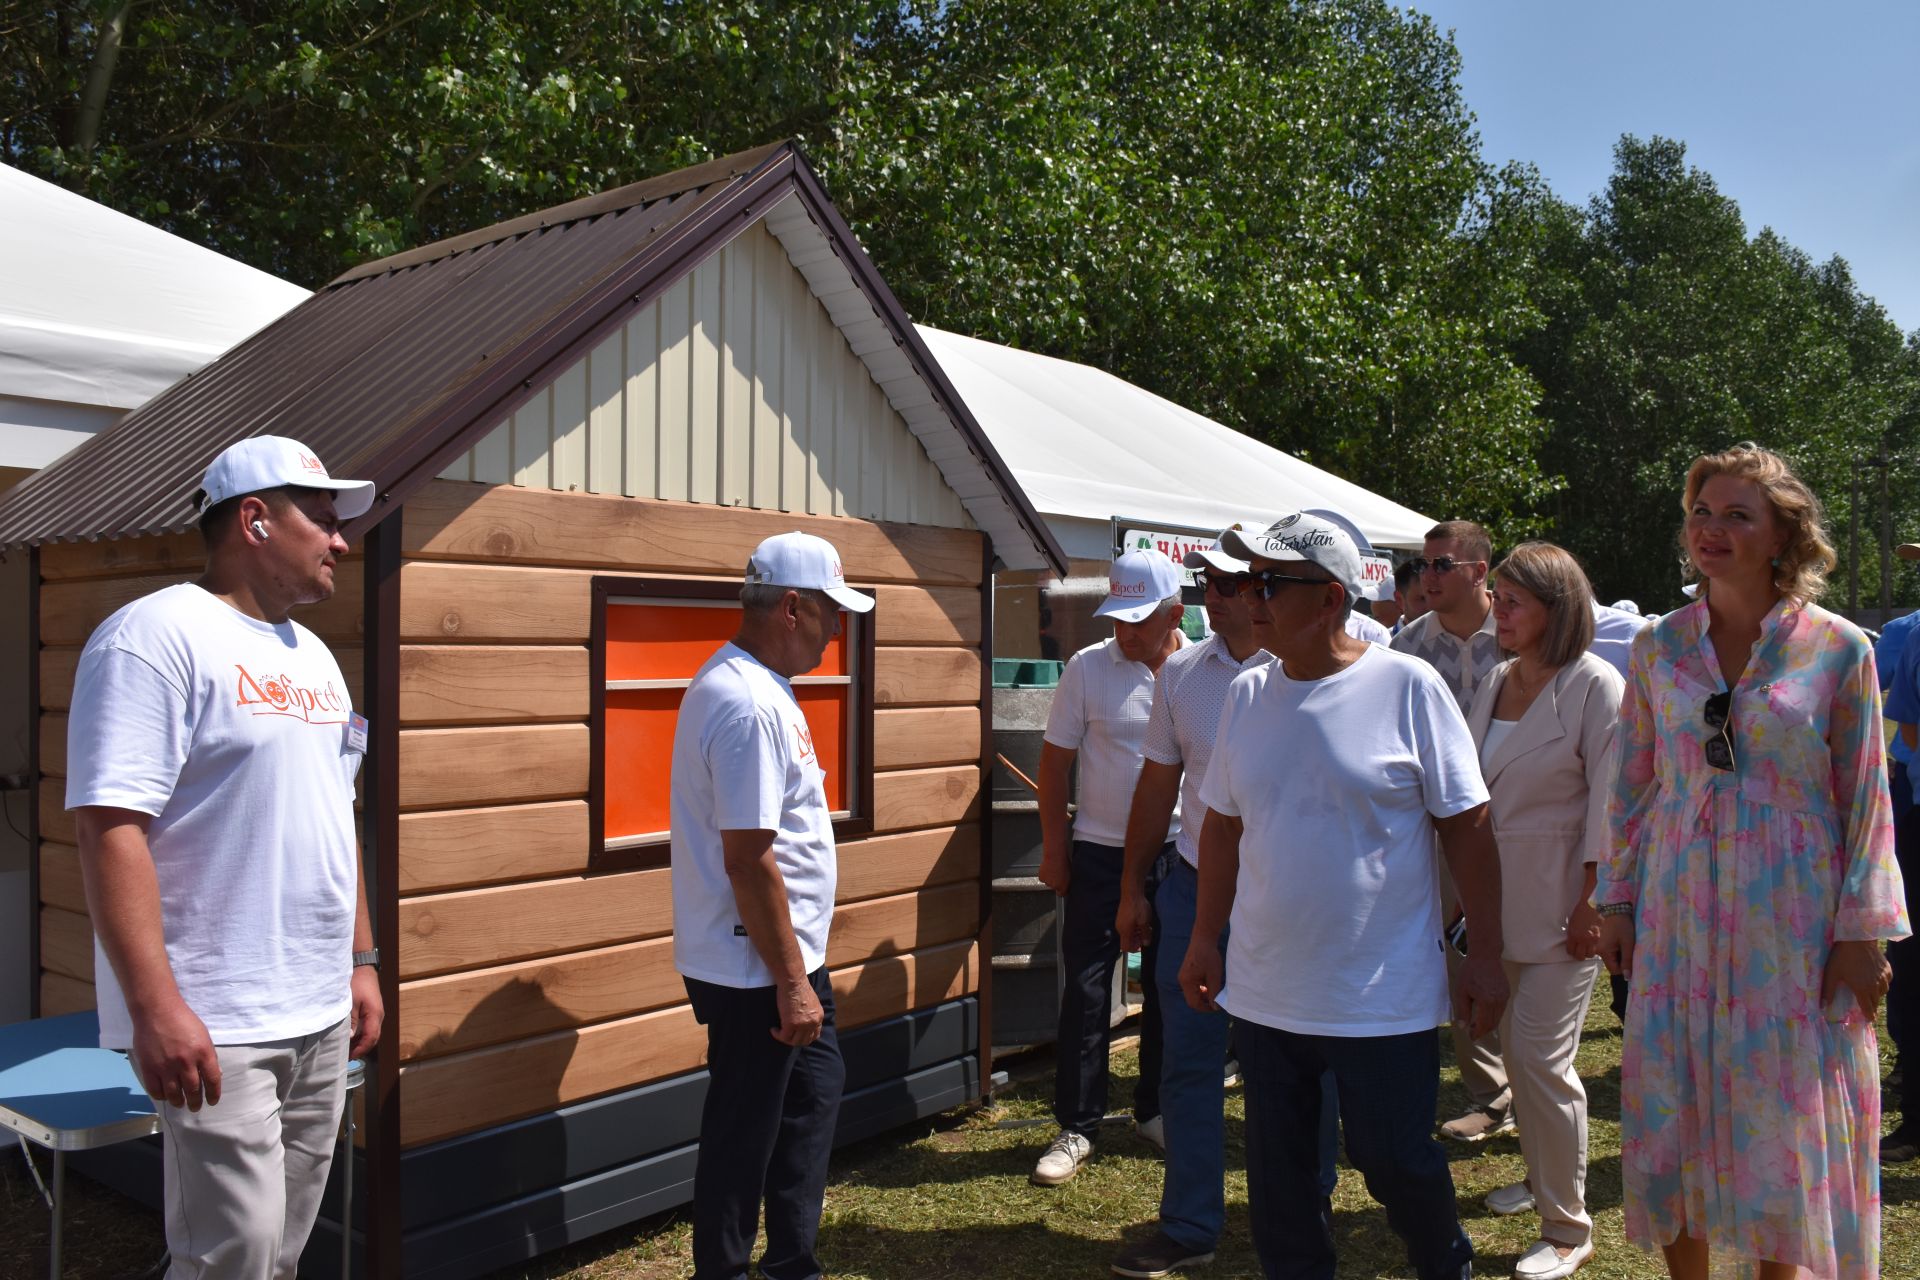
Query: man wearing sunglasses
x=1187 y=698
x=1334 y=770
x=1456 y=636
x=1099 y=719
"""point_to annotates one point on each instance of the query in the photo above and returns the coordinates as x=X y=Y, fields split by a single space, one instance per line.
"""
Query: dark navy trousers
x=765 y=1133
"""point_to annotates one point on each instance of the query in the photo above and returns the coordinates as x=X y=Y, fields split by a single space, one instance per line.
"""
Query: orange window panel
x=825 y=707
x=639 y=759
x=665 y=641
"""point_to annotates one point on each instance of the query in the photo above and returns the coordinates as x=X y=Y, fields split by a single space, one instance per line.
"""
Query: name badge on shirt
x=357 y=733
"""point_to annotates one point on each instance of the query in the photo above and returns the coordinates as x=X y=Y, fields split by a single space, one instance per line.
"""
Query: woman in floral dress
x=1750 y=883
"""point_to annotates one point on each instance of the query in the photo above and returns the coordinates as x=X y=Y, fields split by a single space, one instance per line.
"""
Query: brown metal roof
x=392 y=370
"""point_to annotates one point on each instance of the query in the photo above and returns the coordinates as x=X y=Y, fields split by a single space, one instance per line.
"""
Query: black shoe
x=1158 y=1255
x=1902 y=1145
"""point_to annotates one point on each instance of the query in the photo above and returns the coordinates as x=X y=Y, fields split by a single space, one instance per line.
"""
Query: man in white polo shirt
x=211 y=753
x=1334 y=770
x=753 y=880
x=1099 y=718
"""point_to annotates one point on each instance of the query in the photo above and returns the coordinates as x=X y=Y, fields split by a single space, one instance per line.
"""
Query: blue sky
x=1803 y=113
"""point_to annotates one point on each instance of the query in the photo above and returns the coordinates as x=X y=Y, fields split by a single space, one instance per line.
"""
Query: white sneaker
x=1510 y=1199
x=1153 y=1132
x=1062 y=1159
x=1545 y=1261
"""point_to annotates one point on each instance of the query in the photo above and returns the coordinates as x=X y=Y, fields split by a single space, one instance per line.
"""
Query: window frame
x=860 y=708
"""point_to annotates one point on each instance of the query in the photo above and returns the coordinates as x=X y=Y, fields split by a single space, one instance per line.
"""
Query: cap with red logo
x=275 y=462
x=806 y=562
x=1136 y=584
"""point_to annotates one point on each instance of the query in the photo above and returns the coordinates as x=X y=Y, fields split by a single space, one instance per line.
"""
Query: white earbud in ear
x=259 y=530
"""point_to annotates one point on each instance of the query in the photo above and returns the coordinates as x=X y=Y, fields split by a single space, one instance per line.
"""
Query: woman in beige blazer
x=1544 y=724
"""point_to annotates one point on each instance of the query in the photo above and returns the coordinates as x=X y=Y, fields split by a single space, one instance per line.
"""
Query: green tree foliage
x=1251 y=209
x=304 y=136
x=1275 y=214
x=1668 y=333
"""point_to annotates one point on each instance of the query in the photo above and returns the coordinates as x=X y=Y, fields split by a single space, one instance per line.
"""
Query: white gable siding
x=735 y=387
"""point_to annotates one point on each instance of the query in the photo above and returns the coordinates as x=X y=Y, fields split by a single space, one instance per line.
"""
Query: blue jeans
x=1089 y=947
x=1903 y=997
x=765 y=1134
x=1388 y=1088
x=1192 y=1091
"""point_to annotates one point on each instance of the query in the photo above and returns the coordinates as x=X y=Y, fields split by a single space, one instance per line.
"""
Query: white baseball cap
x=1136 y=584
x=1381 y=591
x=274 y=462
x=1215 y=557
x=1304 y=538
x=807 y=563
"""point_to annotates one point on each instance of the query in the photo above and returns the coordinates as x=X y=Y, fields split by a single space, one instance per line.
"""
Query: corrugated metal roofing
x=396 y=367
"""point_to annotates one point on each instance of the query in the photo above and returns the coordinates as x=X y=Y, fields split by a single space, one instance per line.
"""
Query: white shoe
x=1545 y=1261
x=1062 y=1159
x=1153 y=1132
x=1510 y=1199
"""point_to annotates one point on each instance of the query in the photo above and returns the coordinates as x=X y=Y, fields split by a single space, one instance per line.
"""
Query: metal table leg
x=59 y=1205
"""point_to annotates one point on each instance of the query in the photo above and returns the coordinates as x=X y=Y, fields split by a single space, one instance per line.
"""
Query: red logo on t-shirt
x=803 y=737
x=271 y=695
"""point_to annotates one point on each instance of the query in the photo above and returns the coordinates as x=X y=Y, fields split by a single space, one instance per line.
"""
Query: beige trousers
x=1541 y=1032
x=243 y=1178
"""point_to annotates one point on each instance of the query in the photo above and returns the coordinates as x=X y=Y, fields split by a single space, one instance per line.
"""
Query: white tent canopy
x=99 y=311
x=1087 y=446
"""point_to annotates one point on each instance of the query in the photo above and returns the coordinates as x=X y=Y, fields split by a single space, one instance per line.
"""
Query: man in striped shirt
x=1099 y=719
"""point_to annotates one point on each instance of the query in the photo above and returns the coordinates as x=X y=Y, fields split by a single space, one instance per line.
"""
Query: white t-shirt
x=233 y=735
x=1361 y=627
x=1100 y=711
x=1613 y=633
x=1336 y=918
x=743 y=760
x=1187 y=698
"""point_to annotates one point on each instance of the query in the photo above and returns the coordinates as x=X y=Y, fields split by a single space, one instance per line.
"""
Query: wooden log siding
x=445 y=1096
x=453 y=603
x=500 y=524
x=514 y=962
x=479 y=928
x=516 y=1001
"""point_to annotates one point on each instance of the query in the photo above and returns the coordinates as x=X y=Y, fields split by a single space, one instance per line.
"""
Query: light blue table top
x=59 y=1089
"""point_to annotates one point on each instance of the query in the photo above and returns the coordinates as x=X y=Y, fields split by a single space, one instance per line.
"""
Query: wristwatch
x=367 y=958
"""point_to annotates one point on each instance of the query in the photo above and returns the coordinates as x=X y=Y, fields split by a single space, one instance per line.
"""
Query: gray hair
x=1172 y=602
x=764 y=597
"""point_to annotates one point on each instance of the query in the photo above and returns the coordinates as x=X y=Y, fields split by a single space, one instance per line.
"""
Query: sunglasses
x=1227 y=584
x=1439 y=564
x=1269 y=581
x=1718 y=714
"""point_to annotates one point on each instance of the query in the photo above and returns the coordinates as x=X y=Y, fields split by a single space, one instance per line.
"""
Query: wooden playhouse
x=580 y=422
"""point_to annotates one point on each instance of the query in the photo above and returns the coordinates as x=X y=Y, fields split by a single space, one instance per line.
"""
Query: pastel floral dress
x=1750 y=1114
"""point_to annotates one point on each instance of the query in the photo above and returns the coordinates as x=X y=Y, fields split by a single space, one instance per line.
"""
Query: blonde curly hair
x=1800 y=570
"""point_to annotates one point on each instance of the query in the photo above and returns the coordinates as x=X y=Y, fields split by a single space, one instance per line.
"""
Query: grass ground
x=951 y=1199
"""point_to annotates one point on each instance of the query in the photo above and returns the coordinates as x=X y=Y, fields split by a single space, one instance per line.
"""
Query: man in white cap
x=1384 y=597
x=1322 y=815
x=212 y=748
x=754 y=868
x=1099 y=718
x=1188 y=694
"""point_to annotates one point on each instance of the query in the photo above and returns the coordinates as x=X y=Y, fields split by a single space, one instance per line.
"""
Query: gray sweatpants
x=244 y=1177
